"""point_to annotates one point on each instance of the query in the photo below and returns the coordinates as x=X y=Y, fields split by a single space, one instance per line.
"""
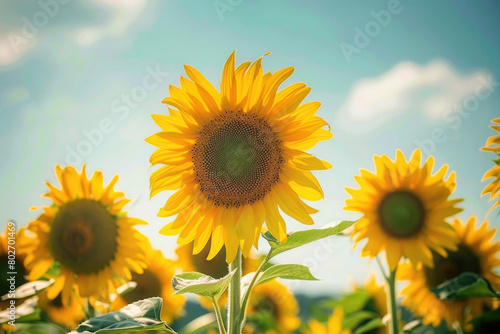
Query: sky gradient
x=79 y=81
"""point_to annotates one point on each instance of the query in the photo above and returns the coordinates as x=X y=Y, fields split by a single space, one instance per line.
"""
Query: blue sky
x=415 y=74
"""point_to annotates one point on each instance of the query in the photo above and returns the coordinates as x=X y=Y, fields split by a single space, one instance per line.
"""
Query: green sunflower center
x=237 y=158
x=458 y=262
x=148 y=285
x=402 y=214
x=83 y=236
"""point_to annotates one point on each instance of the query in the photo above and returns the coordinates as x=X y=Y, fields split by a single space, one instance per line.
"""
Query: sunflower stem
x=254 y=280
x=220 y=322
x=235 y=319
x=394 y=326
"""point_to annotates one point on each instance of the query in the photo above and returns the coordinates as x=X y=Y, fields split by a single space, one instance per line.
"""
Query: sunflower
x=475 y=253
x=215 y=267
x=493 y=145
x=10 y=239
x=404 y=209
x=86 y=235
x=378 y=299
x=69 y=316
x=235 y=156
x=334 y=325
x=272 y=307
x=154 y=281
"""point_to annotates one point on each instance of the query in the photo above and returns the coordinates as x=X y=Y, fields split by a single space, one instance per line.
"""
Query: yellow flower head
x=334 y=325
x=69 y=316
x=404 y=209
x=155 y=281
x=86 y=234
x=276 y=300
x=236 y=155
x=493 y=145
x=475 y=253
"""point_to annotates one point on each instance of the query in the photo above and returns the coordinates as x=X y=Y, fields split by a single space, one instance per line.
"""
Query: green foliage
x=466 y=285
x=286 y=271
x=300 y=238
x=200 y=284
x=143 y=315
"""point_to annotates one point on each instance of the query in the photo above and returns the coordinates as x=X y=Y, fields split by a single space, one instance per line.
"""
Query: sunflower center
x=401 y=214
x=83 y=236
x=237 y=158
x=148 y=285
x=458 y=262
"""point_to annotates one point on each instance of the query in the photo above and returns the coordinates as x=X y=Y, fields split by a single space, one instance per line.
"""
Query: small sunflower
x=273 y=301
x=235 y=156
x=404 y=209
x=69 y=316
x=334 y=325
x=215 y=267
x=475 y=253
x=85 y=233
x=493 y=145
x=378 y=299
x=10 y=239
x=154 y=281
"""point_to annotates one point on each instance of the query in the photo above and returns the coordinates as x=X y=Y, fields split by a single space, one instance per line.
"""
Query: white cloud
x=434 y=89
x=123 y=14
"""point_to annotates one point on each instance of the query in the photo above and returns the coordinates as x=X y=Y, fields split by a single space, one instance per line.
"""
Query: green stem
x=220 y=322
x=246 y=298
x=235 y=319
x=394 y=327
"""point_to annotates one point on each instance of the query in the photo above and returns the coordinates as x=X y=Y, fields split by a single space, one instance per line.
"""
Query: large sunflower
x=475 y=253
x=493 y=145
x=272 y=307
x=404 y=209
x=154 y=281
x=334 y=325
x=86 y=234
x=235 y=156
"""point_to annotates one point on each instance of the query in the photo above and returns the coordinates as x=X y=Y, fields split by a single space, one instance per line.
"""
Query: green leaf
x=143 y=315
x=200 y=325
x=38 y=328
x=300 y=238
x=286 y=271
x=353 y=320
x=466 y=285
x=371 y=325
x=200 y=284
x=29 y=289
x=486 y=323
x=350 y=303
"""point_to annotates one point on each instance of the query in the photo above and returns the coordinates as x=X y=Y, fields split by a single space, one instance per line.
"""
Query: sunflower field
x=191 y=182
